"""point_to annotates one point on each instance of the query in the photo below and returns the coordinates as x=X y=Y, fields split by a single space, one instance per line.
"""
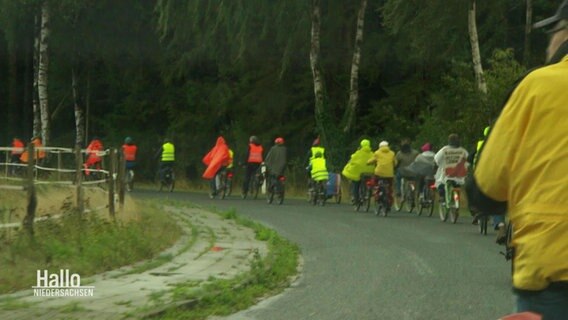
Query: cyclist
x=404 y=158
x=94 y=160
x=452 y=165
x=521 y=171
x=129 y=150
x=217 y=159
x=18 y=148
x=253 y=159
x=358 y=166
x=424 y=166
x=498 y=219
x=318 y=168
x=39 y=154
x=167 y=154
x=316 y=147
x=276 y=160
x=385 y=162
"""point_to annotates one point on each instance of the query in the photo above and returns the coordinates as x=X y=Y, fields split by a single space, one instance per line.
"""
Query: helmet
x=279 y=140
x=383 y=144
x=128 y=140
x=316 y=142
x=426 y=147
x=253 y=139
x=486 y=131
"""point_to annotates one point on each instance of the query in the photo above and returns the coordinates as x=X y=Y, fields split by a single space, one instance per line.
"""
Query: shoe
x=501 y=234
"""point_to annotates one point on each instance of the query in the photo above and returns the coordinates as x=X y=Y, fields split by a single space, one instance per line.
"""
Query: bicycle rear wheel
x=409 y=198
x=483 y=225
x=443 y=211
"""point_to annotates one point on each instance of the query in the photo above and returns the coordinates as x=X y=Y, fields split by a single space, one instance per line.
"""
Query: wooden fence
x=63 y=166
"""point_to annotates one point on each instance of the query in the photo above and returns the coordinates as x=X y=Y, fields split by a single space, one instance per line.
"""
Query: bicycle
x=365 y=192
x=407 y=200
x=426 y=198
x=381 y=196
x=319 y=192
x=221 y=184
x=483 y=222
x=451 y=205
x=129 y=177
x=167 y=180
x=256 y=183
x=276 y=188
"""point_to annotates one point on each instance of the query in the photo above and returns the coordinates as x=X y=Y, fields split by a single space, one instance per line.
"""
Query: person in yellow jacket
x=385 y=162
x=319 y=168
x=358 y=166
x=522 y=170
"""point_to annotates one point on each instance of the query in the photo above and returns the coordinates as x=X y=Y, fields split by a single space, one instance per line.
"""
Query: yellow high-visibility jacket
x=524 y=162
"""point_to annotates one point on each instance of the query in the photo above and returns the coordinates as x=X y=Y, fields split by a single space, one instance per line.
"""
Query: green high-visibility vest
x=168 y=152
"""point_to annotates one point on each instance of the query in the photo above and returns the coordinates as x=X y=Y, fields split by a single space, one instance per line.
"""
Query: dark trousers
x=551 y=303
x=250 y=171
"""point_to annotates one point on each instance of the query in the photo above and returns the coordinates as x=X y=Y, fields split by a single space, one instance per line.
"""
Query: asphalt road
x=360 y=266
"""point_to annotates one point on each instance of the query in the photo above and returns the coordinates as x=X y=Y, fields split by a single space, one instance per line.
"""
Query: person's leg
x=498 y=221
x=398 y=183
x=355 y=185
x=442 y=192
x=551 y=303
x=246 y=180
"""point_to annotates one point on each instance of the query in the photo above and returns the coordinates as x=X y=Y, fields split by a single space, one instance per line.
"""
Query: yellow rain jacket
x=385 y=162
x=357 y=165
x=524 y=162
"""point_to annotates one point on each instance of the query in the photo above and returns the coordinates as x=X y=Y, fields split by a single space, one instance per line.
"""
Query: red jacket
x=129 y=151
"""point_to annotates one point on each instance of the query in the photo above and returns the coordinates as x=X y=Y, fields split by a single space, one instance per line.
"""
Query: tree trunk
x=528 y=28
x=43 y=68
x=476 y=56
x=36 y=131
x=316 y=68
x=354 y=82
x=79 y=117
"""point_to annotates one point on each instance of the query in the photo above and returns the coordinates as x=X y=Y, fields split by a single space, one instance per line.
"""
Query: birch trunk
x=528 y=28
x=476 y=56
x=79 y=116
x=316 y=68
x=36 y=131
x=354 y=82
x=43 y=68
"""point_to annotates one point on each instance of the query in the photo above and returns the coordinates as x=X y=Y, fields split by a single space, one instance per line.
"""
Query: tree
x=43 y=68
x=351 y=110
x=319 y=88
x=476 y=56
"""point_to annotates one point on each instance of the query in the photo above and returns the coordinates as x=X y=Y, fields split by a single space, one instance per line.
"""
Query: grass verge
x=85 y=246
x=268 y=276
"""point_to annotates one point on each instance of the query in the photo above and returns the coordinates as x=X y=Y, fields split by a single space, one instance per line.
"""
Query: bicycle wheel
x=443 y=211
x=431 y=200
x=368 y=198
x=455 y=207
x=281 y=195
x=483 y=225
x=409 y=198
x=255 y=187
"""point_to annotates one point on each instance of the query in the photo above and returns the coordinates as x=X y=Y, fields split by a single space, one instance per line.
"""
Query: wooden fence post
x=111 y=172
x=59 y=165
x=121 y=179
x=79 y=179
x=30 y=188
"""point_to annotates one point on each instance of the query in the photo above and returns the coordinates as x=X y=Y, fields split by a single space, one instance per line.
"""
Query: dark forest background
x=193 y=70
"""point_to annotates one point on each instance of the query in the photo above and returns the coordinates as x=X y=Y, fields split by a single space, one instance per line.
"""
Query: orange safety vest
x=255 y=153
x=129 y=151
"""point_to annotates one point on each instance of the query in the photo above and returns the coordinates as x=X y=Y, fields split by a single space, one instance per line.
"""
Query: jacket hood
x=384 y=149
x=220 y=141
x=365 y=143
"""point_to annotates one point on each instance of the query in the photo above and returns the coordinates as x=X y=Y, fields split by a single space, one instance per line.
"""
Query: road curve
x=360 y=266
